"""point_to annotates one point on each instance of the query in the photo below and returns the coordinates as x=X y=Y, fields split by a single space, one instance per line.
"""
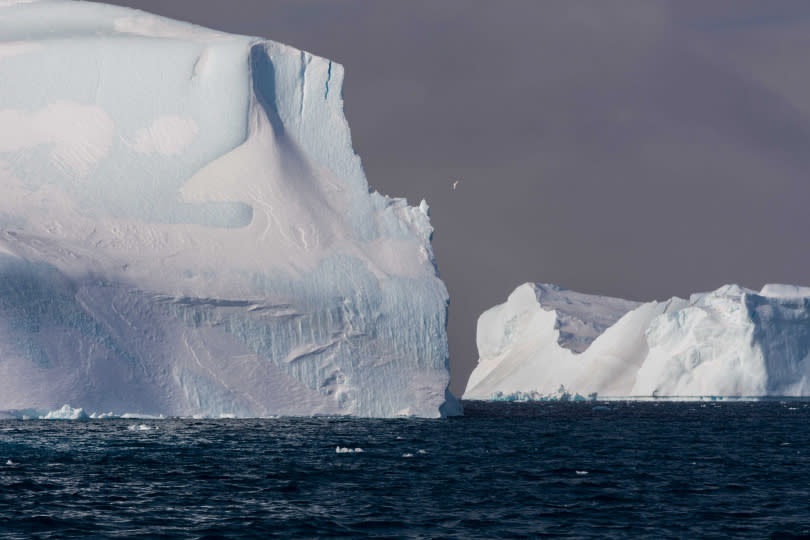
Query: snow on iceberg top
x=776 y=290
x=60 y=19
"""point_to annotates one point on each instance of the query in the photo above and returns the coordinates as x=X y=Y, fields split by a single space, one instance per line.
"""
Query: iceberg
x=731 y=342
x=185 y=230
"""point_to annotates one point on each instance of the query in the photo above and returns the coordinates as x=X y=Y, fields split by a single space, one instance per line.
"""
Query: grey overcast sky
x=641 y=149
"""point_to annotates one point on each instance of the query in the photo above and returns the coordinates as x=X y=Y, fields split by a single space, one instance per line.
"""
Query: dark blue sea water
x=505 y=470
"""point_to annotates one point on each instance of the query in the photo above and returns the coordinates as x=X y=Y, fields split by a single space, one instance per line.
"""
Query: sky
x=642 y=149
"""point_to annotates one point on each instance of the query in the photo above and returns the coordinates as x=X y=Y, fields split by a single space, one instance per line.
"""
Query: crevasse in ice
x=185 y=229
x=729 y=342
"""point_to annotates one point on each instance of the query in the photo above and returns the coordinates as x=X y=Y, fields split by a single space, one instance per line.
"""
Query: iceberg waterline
x=185 y=230
x=66 y=412
x=546 y=342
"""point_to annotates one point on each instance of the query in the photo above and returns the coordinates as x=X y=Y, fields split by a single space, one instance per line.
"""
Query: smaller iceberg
x=547 y=342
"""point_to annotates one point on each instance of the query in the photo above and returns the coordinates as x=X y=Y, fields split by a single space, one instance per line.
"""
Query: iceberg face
x=729 y=342
x=185 y=229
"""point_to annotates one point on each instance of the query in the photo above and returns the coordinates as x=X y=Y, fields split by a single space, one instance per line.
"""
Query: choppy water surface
x=506 y=469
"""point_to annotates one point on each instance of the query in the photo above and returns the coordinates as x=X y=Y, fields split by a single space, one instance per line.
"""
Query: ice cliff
x=729 y=342
x=185 y=229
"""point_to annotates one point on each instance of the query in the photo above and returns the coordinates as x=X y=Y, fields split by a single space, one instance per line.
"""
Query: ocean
x=505 y=470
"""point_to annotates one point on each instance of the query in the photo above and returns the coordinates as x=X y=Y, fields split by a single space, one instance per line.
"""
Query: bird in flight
x=455 y=184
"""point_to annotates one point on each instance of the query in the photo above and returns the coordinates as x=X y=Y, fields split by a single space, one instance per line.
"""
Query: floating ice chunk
x=9 y=462
x=421 y=451
x=581 y=473
x=343 y=450
x=65 y=413
x=560 y=395
x=407 y=455
x=141 y=427
x=103 y=416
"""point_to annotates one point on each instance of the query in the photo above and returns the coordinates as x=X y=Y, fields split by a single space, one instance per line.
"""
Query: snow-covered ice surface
x=186 y=230
x=732 y=342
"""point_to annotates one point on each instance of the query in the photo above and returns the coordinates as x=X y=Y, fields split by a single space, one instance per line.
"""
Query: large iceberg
x=185 y=229
x=732 y=342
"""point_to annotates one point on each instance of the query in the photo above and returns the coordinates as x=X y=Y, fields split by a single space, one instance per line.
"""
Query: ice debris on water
x=141 y=427
x=344 y=450
x=581 y=473
x=9 y=462
x=407 y=455
x=561 y=394
x=66 y=413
